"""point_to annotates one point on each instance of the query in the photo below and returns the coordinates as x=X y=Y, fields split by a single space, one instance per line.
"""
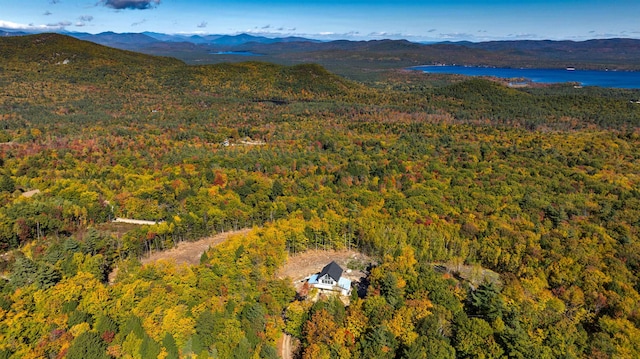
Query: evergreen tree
x=169 y=343
x=87 y=345
x=105 y=323
x=205 y=328
x=78 y=317
x=47 y=276
x=486 y=302
x=7 y=184
x=426 y=348
x=24 y=272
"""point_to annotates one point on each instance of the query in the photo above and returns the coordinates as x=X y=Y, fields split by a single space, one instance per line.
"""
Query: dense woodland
x=540 y=185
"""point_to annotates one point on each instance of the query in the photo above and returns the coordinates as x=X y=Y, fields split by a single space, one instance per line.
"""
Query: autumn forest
x=428 y=174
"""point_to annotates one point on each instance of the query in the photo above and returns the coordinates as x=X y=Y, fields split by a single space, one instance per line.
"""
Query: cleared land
x=185 y=252
x=190 y=252
x=302 y=265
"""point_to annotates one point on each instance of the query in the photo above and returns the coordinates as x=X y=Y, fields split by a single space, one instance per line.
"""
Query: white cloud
x=456 y=36
x=386 y=34
x=270 y=31
x=32 y=27
x=59 y=24
x=524 y=36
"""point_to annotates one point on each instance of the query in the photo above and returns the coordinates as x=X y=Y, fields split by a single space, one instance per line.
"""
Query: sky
x=427 y=20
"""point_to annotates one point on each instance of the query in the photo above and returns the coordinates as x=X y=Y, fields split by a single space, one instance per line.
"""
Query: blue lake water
x=616 y=79
x=237 y=53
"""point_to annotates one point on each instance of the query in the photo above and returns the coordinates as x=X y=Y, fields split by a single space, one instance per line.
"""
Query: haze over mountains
x=349 y=57
x=112 y=38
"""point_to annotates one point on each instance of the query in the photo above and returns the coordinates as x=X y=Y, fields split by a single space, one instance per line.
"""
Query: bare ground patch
x=190 y=252
x=186 y=252
x=475 y=275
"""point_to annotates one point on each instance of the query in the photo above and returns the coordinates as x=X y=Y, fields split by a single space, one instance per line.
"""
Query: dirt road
x=285 y=347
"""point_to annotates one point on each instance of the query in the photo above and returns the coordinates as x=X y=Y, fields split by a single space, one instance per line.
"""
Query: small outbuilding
x=330 y=279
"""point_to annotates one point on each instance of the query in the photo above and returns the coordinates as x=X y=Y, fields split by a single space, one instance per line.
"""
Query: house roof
x=344 y=283
x=333 y=270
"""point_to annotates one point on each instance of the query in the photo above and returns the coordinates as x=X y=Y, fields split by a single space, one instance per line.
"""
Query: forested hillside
x=421 y=172
x=365 y=59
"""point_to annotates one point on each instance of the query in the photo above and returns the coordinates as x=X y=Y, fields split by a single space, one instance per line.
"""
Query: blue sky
x=434 y=20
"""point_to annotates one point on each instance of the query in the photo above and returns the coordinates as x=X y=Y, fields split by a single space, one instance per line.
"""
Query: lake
x=616 y=79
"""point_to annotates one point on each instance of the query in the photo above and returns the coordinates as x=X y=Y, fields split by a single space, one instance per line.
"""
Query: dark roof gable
x=333 y=270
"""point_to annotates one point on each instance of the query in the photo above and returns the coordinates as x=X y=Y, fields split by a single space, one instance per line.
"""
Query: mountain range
x=354 y=58
x=114 y=39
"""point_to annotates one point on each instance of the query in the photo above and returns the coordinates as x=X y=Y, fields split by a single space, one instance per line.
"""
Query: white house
x=330 y=278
